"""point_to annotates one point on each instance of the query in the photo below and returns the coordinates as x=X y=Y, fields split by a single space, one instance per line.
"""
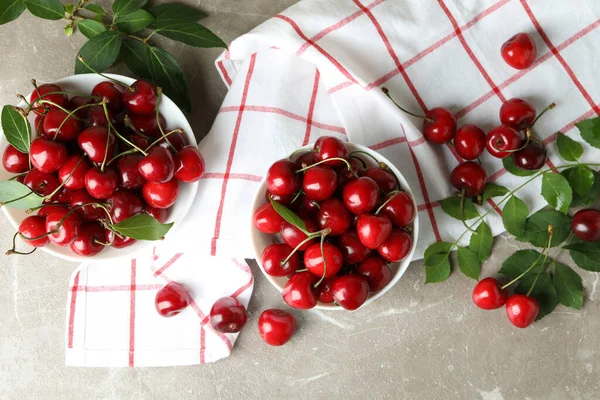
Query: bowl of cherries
x=95 y=166
x=334 y=226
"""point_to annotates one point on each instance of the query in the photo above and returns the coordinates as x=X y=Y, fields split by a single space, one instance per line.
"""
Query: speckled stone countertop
x=416 y=342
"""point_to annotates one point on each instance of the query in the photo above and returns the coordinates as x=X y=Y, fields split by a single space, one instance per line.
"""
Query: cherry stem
x=550 y=232
x=329 y=159
x=22 y=98
x=363 y=162
x=66 y=180
x=164 y=136
x=14 y=177
x=162 y=132
x=387 y=93
x=391 y=197
x=366 y=154
x=72 y=114
x=14 y=246
x=298 y=151
x=528 y=135
x=59 y=107
x=126 y=141
x=544 y=111
x=462 y=211
x=532 y=264
x=101 y=243
x=296 y=196
x=80 y=58
x=324 y=262
x=131 y=151
x=310 y=237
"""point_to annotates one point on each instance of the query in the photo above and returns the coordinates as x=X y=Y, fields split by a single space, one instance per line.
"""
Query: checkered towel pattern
x=316 y=70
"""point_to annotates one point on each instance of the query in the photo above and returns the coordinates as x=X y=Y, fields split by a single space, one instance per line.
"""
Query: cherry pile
x=99 y=160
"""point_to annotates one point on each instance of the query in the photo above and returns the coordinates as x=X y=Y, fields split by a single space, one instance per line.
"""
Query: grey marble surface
x=417 y=342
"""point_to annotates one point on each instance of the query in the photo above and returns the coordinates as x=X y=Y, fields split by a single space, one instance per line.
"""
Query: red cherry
x=32 y=227
x=285 y=200
x=299 y=291
x=113 y=94
x=469 y=142
x=309 y=205
x=489 y=295
x=384 y=179
x=334 y=215
x=373 y=230
x=101 y=184
x=69 y=126
x=141 y=98
x=346 y=175
x=377 y=272
x=319 y=183
x=157 y=166
x=161 y=195
x=586 y=225
x=41 y=183
x=93 y=143
x=313 y=259
x=353 y=251
x=396 y=247
x=14 y=161
x=282 y=179
x=96 y=116
x=117 y=241
x=42 y=92
x=86 y=244
x=124 y=204
x=72 y=174
x=361 y=195
x=189 y=164
x=62 y=196
x=68 y=230
x=272 y=257
x=78 y=101
x=325 y=293
x=147 y=124
x=519 y=51
x=171 y=300
x=293 y=236
x=138 y=140
x=39 y=125
x=531 y=157
x=327 y=147
x=160 y=214
x=517 y=114
x=350 y=291
x=129 y=174
x=87 y=213
x=522 y=310
x=174 y=142
x=276 y=327
x=502 y=140
x=266 y=219
x=469 y=176
x=400 y=209
x=228 y=315
x=50 y=208
x=439 y=125
x=47 y=155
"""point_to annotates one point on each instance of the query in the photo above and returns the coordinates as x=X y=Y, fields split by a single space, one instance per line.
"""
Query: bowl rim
x=402 y=266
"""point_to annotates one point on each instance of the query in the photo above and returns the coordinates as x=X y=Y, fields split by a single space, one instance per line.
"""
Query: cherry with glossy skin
x=517 y=114
x=586 y=225
x=96 y=116
x=470 y=177
x=361 y=195
x=67 y=231
x=350 y=291
x=274 y=254
x=174 y=142
x=14 y=161
x=502 y=140
x=266 y=219
x=160 y=214
x=396 y=247
x=157 y=166
x=93 y=143
x=141 y=98
x=62 y=196
x=124 y=204
x=346 y=175
x=489 y=295
x=309 y=205
x=72 y=172
x=285 y=200
x=519 y=51
x=276 y=327
x=352 y=249
x=531 y=157
x=282 y=179
x=377 y=272
x=86 y=244
x=32 y=227
x=89 y=212
x=171 y=300
x=293 y=236
x=400 y=209
x=327 y=147
x=319 y=183
x=41 y=183
x=325 y=293
x=439 y=125
x=372 y=230
x=147 y=124
x=76 y=102
x=101 y=184
x=129 y=173
x=313 y=259
x=522 y=310
x=50 y=208
x=140 y=141
x=118 y=242
x=112 y=92
x=384 y=179
x=42 y=91
x=39 y=125
x=228 y=315
x=469 y=142
x=299 y=291
x=67 y=132
x=47 y=155
x=189 y=164
x=334 y=215
x=161 y=195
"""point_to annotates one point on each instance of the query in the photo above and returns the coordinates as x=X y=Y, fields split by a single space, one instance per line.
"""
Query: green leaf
x=520 y=261
x=568 y=148
x=586 y=255
x=589 y=198
x=46 y=9
x=437 y=268
x=557 y=192
x=288 y=215
x=543 y=291
x=167 y=74
x=68 y=29
x=90 y=28
x=95 y=8
x=481 y=243
x=134 y=54
x=170 y=13
x=190 y=33
x=514 y=217
x=134 y=21
x=142 y=227
x=581 y=179
x=69 y=8
x=569 y=287
x=493 y=190
x=11 y=190
x=100 y=52
x=438 y=248
x=469 y=263
x=536 y=229
x=126 y=6
x=590 y=131
x=16 y=128
x=10 y=10
x=510 y=166
x=451 y=206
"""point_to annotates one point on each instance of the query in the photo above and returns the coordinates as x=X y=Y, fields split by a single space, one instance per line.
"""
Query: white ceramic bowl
x=261 y=240
x=84 y=84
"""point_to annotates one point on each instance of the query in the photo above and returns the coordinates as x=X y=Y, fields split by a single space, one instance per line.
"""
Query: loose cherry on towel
x=519 y=51
x=228 y=315
x=469 y=142
x=171 y=300
x=517 y=114
x=470 y=177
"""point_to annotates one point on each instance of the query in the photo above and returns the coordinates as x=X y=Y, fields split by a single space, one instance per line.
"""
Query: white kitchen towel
x=317 y=69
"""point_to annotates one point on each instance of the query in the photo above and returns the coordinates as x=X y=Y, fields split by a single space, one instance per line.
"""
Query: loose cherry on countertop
x=400 y=209
x=396 y=246
x=522 y=310
x=350 y=291
x=489 y=295
x=327 y=147
x=586 y=225
x=273 y=257
x=503 y=140
x=469 y=142
x=47 y=155
x=531 y=157
x=189 y=164
x=377 y=272
x=14 y=161
x=266 y=219
x=352 y=249
x=519 y=51
x=372 y=230
x=34 y=227
x=56 y=97
x=161 y=195
x=517 y=114
x=89 y=240
x=361 y=195
x=171 y=300
x=68 y=231
x=470 y=177
x=299 y=291
x=293 y=236
x=228 y=315
x=276 y=327
x=72 y=172
x=282 y=179
x=141 y=98
x=157 y=166
x=319 y=182
x=313 y=259
x=334 y=215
